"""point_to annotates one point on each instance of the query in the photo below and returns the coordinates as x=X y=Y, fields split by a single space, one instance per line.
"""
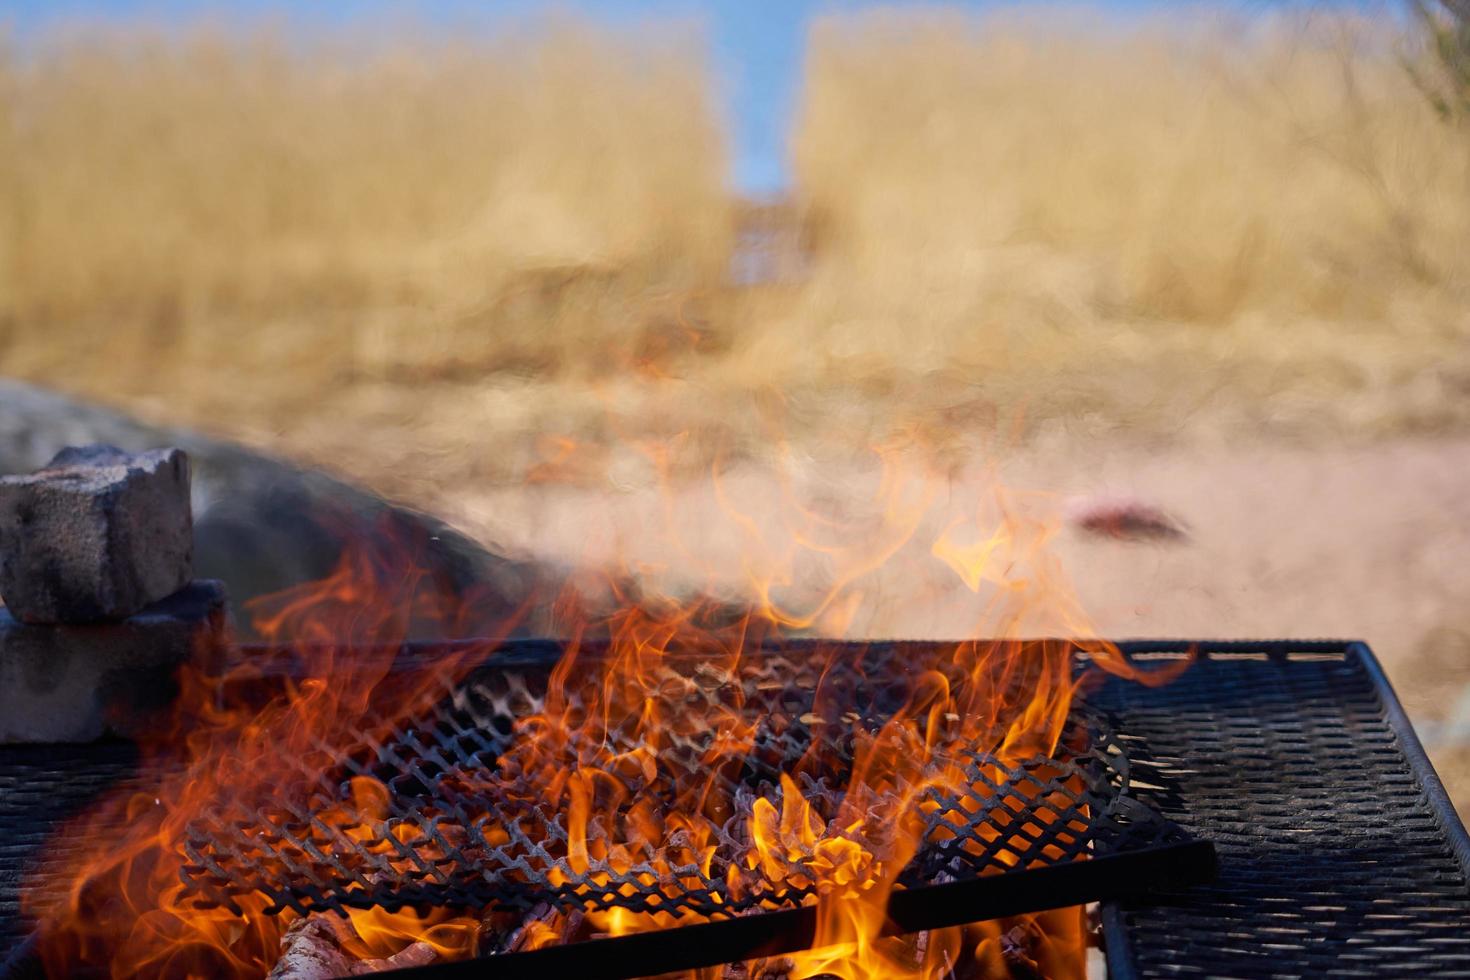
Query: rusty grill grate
x=462 y=827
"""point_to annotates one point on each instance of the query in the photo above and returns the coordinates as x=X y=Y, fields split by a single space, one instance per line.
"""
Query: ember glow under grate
x=457 y=823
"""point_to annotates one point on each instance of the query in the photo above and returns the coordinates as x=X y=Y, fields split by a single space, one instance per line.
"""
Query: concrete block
x=69 y=683
x=96 y=535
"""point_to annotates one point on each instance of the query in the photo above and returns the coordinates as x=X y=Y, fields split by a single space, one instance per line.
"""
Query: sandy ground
x=1370 y=543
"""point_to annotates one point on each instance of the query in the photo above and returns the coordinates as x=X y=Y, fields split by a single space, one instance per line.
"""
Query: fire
x=643 y=731
x=124 y=907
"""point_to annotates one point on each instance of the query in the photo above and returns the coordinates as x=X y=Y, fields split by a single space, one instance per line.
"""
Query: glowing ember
x=635 y=750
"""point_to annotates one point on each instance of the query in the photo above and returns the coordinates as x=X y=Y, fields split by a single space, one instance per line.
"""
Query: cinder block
x=79 y=683
x=97 y=535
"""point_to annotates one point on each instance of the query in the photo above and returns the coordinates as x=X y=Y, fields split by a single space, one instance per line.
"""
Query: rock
x=96 y=535
x=262 y=525
x=69 y=683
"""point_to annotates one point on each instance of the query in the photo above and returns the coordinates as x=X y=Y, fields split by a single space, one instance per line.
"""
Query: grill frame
x=724 y=941
x=44 y=784
x=1265 y=873
x=1152 y=856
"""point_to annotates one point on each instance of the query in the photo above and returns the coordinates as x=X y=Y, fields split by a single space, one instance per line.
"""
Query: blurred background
x=1199 y=274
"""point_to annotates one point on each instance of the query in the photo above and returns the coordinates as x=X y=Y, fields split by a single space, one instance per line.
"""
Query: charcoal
x=97 y=535
x=77 y=683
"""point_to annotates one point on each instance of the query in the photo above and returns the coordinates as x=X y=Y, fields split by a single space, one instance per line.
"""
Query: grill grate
x=1339 y=854
x=462 y=826
x=40 y=787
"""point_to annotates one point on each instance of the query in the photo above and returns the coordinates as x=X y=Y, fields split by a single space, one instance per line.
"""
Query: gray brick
x=78 y=683
x=97 y=535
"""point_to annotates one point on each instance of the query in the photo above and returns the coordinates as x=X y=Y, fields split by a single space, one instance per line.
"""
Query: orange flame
x=124 y=907
x=598 y=750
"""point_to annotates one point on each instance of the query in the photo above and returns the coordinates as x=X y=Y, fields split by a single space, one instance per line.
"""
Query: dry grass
x=343 y=206
x=469 y=250
x=1193 y=171
x=976 y=182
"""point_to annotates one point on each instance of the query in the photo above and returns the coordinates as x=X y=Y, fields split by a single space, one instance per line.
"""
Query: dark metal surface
x=774 y=933
x=1340 y=854
x=41 y=786
x=464 y=826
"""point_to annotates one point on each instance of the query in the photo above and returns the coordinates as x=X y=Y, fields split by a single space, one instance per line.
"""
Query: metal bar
x=1413 y=749
x=541 y=648
x=1117 y=944
x=1274 y=647
x=909 y=910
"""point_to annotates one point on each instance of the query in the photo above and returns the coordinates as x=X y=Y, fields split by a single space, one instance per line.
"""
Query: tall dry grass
x=484 y=239
x=348 y=203
x=1017 y=170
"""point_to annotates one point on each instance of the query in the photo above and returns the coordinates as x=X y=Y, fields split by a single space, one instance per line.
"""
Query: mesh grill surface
x=1332 y=861
x=464 y=827
x=40 y=786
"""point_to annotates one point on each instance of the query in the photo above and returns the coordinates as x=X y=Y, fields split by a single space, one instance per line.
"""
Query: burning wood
x=501 y=934
x=1017 y=946
x=312 y=950
x=778 y=968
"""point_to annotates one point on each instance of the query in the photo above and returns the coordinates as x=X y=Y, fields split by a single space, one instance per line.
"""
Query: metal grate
x=462 y=826
x=41 y=786
x=1340 y=855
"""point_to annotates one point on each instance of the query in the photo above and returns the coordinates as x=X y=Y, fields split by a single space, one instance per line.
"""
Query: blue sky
x=757 y=44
